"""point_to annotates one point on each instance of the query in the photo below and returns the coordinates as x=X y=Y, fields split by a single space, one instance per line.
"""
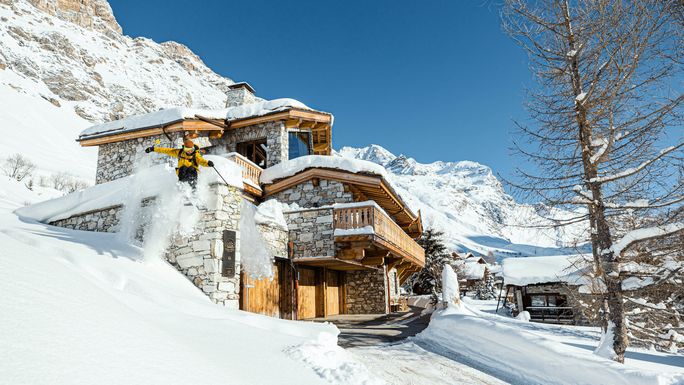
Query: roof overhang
x=364 y=187
x=319 y=123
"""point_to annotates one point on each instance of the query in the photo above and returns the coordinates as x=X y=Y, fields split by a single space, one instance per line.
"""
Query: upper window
x=255 y=150
x=299 y=144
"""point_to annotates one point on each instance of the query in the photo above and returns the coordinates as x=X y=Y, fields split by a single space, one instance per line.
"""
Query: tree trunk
x=606 y=262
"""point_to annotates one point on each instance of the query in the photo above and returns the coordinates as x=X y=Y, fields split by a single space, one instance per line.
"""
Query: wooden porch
x=365 y=234
x=250 y=173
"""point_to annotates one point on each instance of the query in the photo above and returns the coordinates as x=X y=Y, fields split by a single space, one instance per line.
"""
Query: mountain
x=468 y=203
x=65 y=64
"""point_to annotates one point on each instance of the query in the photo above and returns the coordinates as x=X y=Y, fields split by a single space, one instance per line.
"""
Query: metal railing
x=250 y=171
x=360 y=216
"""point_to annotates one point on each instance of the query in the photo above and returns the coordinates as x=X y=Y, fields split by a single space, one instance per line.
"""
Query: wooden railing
x=250 y=171
x=358 y=217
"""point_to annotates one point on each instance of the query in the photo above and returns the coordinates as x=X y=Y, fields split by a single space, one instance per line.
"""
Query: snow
x=256 y=258
x=473 y=270
x=297 y=165
x=366 y=230
x=646 y=233
x=270 y=213
x=532 y=270
x=15 y=194
x=605 y=348
x=450 y=291
x=580 y=98
x=168 y=116
x=466 y=201
x=152 y=181
x=40 y=131
x=602 y=144
x=529 y=353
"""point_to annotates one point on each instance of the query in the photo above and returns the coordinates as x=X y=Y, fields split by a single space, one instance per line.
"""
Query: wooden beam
x=373 y=261
x=307 y=124
x=351 y=254
x=214 y=122
x=293 y=123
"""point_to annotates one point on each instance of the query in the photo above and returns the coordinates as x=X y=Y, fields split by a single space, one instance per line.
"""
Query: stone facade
x=275 y=134
x=237 y=96
x=366 y=291
x=276 y=238
x=199 y=256
x=105 y=220
x=311 y=232
x=327 y=192
x=117 y=160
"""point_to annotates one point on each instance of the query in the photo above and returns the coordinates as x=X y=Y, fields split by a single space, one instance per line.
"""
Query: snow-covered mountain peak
x=466 y=201
x=90 y=14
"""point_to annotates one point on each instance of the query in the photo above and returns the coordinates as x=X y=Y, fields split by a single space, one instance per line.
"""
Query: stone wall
x=366 y=291
x=199 y=255
x=105 y=220
x=327 y=192
x=276 y=238
x=311 y=232
x=117 y=160
x=274 y=132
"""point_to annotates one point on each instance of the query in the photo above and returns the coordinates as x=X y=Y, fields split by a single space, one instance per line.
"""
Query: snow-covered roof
x=474 y=270
x=173 y=115
x=294 y=166
x=531 y=270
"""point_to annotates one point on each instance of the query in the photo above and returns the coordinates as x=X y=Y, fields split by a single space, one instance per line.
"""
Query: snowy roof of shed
x=169 y=116
x=533 y=270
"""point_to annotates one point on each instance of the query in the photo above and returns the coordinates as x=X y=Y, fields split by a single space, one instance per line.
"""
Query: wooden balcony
x=368 y=222
x=250 y=173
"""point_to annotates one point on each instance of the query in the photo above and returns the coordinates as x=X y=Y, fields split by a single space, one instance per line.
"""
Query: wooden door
x=261 y=295
x=306 y=294
x=332 y=292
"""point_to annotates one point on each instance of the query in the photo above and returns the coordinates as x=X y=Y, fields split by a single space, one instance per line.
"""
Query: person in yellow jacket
x=189 y=160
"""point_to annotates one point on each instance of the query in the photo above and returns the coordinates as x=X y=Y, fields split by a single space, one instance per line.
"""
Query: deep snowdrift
x=504 y=348
x=84 y=308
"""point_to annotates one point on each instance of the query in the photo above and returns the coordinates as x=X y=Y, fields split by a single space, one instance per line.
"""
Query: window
x=255 y=150
x=538 y=300
x=299 y=144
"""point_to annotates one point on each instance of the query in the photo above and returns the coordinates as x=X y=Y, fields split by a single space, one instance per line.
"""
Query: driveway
x=376 y=329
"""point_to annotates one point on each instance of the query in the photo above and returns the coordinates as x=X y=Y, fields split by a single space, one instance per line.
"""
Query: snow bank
x=531 y=270
x=171 y=115
x=297 y=165
x=148 y=182
x=520 y=356
x=79 y=308
x=450 y=290
x=270 y=213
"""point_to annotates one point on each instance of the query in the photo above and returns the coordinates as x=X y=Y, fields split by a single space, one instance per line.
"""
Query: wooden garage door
x=261 y=295
x=306 y=294
x=332 y=292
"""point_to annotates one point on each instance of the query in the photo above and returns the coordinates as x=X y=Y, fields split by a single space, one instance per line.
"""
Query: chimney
x=239 y=94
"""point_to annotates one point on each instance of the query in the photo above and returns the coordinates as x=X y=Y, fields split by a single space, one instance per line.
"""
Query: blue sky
x=435 y=80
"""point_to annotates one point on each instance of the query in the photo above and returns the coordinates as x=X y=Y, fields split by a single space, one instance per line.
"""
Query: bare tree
x=18 y=167
x=605 y=131
x=66 y=182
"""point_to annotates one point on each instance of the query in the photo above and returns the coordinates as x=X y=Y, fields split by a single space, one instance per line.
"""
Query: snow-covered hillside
x=468 y=203
x=65 y=65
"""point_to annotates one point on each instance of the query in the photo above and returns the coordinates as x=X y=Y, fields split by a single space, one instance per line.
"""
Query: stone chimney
x=239 y=94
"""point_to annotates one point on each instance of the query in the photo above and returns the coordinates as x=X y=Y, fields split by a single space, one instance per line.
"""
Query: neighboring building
x=472 y=271
x=553 y=289
x=349 y=239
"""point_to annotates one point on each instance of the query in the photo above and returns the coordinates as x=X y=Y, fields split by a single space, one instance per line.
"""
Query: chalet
x=349 y=238
x=472 y=271
x=552 y=289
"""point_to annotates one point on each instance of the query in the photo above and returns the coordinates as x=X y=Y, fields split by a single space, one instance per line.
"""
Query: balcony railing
x=370 y=215
x=250 y=171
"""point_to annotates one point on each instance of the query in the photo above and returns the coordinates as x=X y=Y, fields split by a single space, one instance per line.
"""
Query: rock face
x=91 y=14
x=73 y=54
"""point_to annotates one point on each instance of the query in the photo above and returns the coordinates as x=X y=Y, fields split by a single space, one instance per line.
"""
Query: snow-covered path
x=409 y=363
